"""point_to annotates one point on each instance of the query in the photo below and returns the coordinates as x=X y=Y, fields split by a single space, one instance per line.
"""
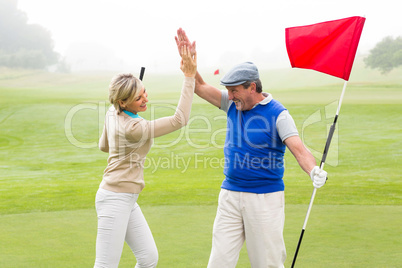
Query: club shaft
x=341 y=98
x=324 y=156
x=142 y=73
x=297 y=249
x=332 y=129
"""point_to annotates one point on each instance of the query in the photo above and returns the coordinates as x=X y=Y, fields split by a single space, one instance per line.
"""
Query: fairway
x=349 y=236
x=50 y=169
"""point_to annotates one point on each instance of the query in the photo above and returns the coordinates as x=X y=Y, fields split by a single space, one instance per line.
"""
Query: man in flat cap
x=251 y=202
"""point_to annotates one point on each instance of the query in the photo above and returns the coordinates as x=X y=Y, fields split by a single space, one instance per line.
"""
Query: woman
x=127 y=137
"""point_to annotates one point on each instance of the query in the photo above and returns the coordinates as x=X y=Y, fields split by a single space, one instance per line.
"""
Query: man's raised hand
x=182 y=40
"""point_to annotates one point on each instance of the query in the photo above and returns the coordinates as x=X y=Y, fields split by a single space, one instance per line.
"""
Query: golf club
x=142 y=73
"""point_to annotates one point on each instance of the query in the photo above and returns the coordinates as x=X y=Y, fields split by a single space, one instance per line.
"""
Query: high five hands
x=187 y=52
x=188 y=62
x=182 y=40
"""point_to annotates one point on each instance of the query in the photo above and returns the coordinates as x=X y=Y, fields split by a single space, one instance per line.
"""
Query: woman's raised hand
x=188 y=62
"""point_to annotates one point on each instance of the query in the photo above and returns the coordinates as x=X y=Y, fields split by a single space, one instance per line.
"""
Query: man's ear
x=253 y=87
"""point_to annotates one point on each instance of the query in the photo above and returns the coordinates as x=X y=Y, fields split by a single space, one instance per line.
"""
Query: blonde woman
x=127 y=137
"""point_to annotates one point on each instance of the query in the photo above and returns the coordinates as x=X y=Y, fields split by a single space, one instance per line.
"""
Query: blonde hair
x=123 y=87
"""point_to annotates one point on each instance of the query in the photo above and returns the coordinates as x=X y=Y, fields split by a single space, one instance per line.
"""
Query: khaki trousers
x=257 y=219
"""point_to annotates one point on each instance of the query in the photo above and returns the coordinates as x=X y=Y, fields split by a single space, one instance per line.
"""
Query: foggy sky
x=126 y=34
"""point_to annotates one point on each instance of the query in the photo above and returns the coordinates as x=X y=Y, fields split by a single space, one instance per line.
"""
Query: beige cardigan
x=128 y=140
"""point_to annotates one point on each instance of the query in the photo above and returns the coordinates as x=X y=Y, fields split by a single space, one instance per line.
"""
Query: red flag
x=216 y=72
x=328 y=47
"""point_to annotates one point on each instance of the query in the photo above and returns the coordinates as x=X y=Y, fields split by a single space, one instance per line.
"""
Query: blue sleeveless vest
x=253 y=150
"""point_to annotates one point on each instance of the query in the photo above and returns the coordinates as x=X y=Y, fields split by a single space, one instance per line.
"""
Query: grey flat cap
x=240 y=74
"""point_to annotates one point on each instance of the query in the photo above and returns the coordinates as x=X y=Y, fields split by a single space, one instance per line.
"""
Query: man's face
x=241 y=97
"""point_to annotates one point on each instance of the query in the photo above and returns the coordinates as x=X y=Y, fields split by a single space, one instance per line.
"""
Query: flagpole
x=324 y=157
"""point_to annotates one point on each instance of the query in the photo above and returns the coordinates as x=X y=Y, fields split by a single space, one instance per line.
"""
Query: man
x=251 y=201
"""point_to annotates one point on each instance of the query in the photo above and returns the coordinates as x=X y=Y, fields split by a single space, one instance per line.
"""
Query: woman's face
x=139 y=104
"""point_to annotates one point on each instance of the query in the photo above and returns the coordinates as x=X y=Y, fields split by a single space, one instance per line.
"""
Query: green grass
x=50 y=169
x=337 y=236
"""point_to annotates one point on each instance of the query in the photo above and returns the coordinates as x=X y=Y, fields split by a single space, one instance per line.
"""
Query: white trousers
x=257 y=219
x=120 y=218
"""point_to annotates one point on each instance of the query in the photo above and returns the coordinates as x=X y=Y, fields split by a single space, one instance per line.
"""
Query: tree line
x=386 y=55
x=23 y=45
